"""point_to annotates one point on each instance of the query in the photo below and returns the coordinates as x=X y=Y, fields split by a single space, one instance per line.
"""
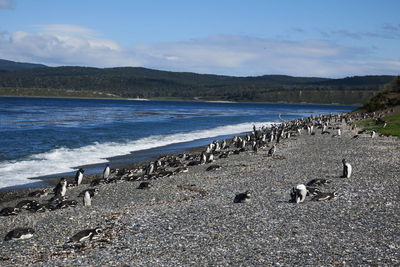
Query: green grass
x=392 y=127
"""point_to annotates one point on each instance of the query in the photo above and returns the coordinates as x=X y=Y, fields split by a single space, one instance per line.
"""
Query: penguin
x=272 y=151
x=61 y=188
x=67 y=203
x=79 y=176
x=27 y=204
x=39 y=193
x=213 y=168
x=347 y=169
x=181 y=169
x=373 y=133
x=44 y=207
x=92 y=192
x=144 y=185
x=19 y=233
x=312 y=191
x=210 y=158
x=299 y=193
x=7 y=211
x=87 y=201
x=242 y=197
x=84 y=235
x=254 y=147
x=150 y=168
x=106 y=172
x=203 y=158
x=325 y=196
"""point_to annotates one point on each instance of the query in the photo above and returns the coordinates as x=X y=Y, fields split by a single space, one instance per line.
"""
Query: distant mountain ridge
x=8 y=65
x=157 y=84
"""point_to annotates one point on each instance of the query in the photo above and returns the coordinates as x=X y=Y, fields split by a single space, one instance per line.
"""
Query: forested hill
x=148 y=83
x=8 y=65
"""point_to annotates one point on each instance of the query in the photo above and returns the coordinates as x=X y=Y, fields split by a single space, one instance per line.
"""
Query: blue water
x=45 y=136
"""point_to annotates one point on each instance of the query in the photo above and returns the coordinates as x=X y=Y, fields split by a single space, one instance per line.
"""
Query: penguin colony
x=165 y=166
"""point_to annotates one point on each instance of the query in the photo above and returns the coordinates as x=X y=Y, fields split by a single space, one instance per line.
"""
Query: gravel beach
x=190 y=218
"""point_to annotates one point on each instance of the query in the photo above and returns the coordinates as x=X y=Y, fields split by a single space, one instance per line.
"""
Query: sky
x=312 y=38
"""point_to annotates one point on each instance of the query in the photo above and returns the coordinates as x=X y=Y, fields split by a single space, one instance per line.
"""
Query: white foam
x=63 y=159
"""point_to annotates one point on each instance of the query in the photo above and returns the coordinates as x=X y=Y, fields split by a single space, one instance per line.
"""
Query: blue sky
x=326 y=38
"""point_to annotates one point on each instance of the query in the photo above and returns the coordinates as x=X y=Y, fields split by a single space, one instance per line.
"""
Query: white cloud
x=60 y=44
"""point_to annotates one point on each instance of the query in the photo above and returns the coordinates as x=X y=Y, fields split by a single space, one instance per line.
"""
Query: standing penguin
x=346 y=169
x=272 y=151
x=79 y=176
x=61 y=188
x=87 y=201
x=106 y=172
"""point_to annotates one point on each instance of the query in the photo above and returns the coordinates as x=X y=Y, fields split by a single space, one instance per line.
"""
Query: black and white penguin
x=347 y=169
x=87 y=200
x=254 y=147
x=91 y=191
x=106 y=172
x=213 y=168
x=8 y=211
x=312 y=191
x=39 y=193
x=85 y=235
x=61 y=188
x=299 y=193
x=272 y=151
x=27 y=204
x=150 y=168
x=19 y=233
x=242 y=197
x=144 y=185
x=79 y=176
x=325 y=196
x=44 y=207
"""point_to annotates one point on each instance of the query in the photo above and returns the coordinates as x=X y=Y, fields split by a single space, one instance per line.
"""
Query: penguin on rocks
x=79 y=176
x=8 y=211
x=298 y=193
x=61 y=188
x=106 y=172
x=272 y=151
x=85 y=235
x=87 y=200
x=19 y=234
x=242 y=197
x=347 y=169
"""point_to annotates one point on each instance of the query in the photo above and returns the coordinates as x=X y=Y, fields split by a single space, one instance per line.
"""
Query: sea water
x=55 y=136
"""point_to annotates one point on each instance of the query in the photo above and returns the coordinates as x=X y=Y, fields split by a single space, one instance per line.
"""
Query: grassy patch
x=392 y=127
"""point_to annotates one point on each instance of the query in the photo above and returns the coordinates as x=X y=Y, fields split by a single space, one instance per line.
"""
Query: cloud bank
x=238 y=55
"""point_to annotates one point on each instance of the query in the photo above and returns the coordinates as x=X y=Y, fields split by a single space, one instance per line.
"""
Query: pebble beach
x=190 y=218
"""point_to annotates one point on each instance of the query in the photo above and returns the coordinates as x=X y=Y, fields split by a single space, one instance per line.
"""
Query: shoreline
x=187 y=100
x=189 y=218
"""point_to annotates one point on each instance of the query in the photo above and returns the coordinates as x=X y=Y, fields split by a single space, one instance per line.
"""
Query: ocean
x=51 y=137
